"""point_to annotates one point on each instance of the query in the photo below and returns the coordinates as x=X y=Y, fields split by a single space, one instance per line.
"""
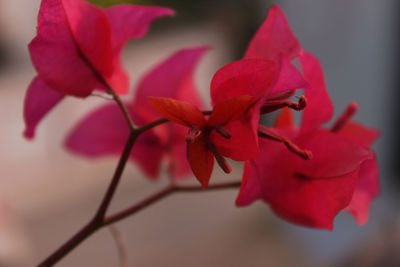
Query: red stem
x=100 y=220
x=96 y=223
x=163 y=193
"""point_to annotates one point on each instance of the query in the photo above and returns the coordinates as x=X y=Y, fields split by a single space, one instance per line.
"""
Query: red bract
x=267 y=73
x=367 y=187
x=105 y=131
x=312 y=192
x=77 y=49
x=203 y=145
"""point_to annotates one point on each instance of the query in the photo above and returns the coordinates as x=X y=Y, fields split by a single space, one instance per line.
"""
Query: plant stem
x=100 y=220
x=95 y=224
x=163 y=193
x=121 y=245
x=117 y=176
x=139 y=206
x=123 y=108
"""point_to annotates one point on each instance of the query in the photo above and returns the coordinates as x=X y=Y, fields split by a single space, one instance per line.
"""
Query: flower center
x=192 y=134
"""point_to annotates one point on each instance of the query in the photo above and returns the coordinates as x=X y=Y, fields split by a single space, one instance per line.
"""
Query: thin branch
x=110 y=90
x=72 y=243
x=100 y=220
x=123 y=108
x=117 y=176
x=173 y=188
x=151 y=125
x=121 y=245
x=139 y=206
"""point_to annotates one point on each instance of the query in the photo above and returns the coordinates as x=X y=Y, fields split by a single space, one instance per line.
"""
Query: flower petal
x=308 y=202
x=250 y=189
x=333 y=155
x=171 y=78
x=274 y=38
x=230 y=110
x=119 y=79
x=148 y=154
x=242 y=131
x=177 y=163
x=91 y=32
x=39 y=100
x=131 y=21
x=360 y=134
x=252 y=77
x=55 y=54
x=178 y=111
x=320 y=108
x=289 y=78
x=285 y=119
x=313 y=203
x=367 y=189
x=201 y=160
x=104 y=132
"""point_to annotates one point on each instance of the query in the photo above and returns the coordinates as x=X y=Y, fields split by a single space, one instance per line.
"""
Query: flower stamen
x=273 y=105
x=220 y=159
x=223 y=132
x=345 y=117
x=193 y=133
x=270 y=134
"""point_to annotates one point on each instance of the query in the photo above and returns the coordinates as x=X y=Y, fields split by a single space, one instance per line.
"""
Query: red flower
x=342 y=173
x=77 y=50
x=267 y=73
x=203 y=145
x=105 y=131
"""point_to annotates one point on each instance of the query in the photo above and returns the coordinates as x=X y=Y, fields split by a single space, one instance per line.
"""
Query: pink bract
x=341 y=175
x=105 y=131
x=77 y=50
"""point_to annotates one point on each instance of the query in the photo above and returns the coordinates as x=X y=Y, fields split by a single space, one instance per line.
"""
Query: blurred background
x=47 y=194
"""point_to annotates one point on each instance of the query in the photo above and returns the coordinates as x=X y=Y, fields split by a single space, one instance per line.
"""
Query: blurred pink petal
x=131 y=22
x=367 y=189
x=333 y=154
x=290 y=78
x=309 y=202
x=274 y=38
x=320 y=108
x=172 y=78
x=39 y=100
x=254 y=77
x=77 y=46
x=359 y=133
x=57 y=56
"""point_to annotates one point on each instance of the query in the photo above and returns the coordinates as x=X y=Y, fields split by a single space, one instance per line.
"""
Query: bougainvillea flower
x=254 y=77
x=275 y=39
x=312 y=192
x=105 y=131
x=77 y=50
x=202 y=145
x=265 y=72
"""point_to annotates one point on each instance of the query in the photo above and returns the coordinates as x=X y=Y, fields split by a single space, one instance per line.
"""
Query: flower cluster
x=307 y=174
